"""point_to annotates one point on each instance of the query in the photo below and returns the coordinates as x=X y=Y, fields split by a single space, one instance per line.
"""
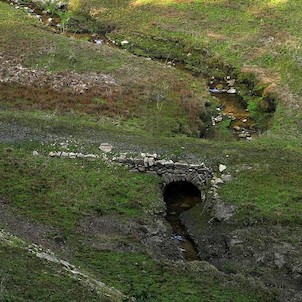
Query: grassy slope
x=60 y=192
x=148 y=97
x=24 y=277
x=252 y=36
x=267 y=182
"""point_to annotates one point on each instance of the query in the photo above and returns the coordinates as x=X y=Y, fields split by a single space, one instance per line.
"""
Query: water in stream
x=234 y=107
x=180 y=197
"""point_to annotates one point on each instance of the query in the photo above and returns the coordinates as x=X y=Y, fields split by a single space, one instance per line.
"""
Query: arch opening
x=179 y=197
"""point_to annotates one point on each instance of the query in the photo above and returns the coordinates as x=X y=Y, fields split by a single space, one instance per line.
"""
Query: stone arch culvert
x=183 y=188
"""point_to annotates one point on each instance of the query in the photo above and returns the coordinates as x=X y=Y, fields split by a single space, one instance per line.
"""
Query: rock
x=52 y=154
x=150 y=161
x=244 y=120
x=236 y=128
x=218 y=119
x=72 y=155
x=141 y=169
x=151 y=173
x=231 y=83
x=216 y=181
x=226 y=177
x=222 y=167
x=234 y=242
x=214 y=90
x=279 y=260
x=124 y=42
x=64 y=154
x=97 y=41
x=232 y=90
x=35 y=153
x=105 y=147
x=223 y=211
x=243 y=135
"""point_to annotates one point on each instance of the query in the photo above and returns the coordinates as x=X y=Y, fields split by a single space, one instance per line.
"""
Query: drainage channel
x=180 y=197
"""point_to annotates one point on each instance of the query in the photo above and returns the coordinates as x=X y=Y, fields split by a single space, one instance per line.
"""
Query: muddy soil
x=271 y=254
x=108 y=233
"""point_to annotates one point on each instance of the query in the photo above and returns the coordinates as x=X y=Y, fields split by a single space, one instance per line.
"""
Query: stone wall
x=170 y=171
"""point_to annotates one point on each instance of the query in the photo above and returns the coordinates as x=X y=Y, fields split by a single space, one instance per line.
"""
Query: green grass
x=147 y=280
x=24 y=277
x=151 y=110
x=60 y=191
x=146 y=96
x=252 y=36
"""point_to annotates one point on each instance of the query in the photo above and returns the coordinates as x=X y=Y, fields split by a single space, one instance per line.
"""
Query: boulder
x=105 y=147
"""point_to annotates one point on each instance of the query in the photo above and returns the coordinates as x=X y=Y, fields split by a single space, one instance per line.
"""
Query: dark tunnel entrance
x=180 y=197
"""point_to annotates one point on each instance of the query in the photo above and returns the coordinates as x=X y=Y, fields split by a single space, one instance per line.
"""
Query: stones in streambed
x=225 y=85
x=232 y=90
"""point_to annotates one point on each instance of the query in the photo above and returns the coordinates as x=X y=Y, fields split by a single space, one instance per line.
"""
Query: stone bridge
x=197 y=174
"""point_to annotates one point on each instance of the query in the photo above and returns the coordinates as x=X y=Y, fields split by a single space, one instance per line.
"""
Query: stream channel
x=179 y=196
x=232 y=106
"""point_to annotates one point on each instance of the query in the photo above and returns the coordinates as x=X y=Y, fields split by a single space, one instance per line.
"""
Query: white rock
x=222 y=167
x=52 y=154
x=35 y=153
x=244 y=120
x=105 y=147
x=218 y=118
x=216 y=181
x=124 y=42
x=231 y=90
x=150 y=161
x=72 y=155
x=97 y=41
x=64 y=154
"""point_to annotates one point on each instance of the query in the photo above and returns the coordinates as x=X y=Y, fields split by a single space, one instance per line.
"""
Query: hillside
x=166 y=86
